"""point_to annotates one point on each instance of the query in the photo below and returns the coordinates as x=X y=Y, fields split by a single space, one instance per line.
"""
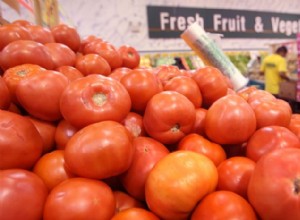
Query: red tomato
x=20 y=143
x=105 y=50
x=95 y=98
x=246 y=91
x=147 y=153
x=24 y=52
x=130 y=57
x=230 y=120
x=294 y=125
x=70 y=72
x=61 y=54
x=22 y=22
x=92 y=64
x=169 y=116
x=187 y=87
x=40 y=94
x=270 y=138
x=11 y=33
x=165 y=73
x=200 y=121
x=178 y=182
x=234 y=175
x=51 y=169
x=40 y=34
x=14 y=75
x=273 y=112
x=118 y=73
x=13 y=108
x=199 y=144
x=22 y=195
x=141 y=85
x=5 y=98
x=67 y=35
x=258 y=96
x=47 y=131
x=135 y=213
x=80 y=198
x=100 y=150
x=223 y=205
x=64 y=131
x=134 y=123
x=125 y=201
x=274 y=185
x=85 y=41
x=211 y=83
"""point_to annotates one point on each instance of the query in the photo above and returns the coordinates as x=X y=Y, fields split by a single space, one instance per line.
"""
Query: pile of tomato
x=85 y=133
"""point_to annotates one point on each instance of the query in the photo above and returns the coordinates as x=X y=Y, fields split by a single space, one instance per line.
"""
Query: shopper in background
x=274 y=67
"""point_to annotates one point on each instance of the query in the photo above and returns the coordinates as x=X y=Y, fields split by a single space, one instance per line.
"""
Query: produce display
x=88 y=132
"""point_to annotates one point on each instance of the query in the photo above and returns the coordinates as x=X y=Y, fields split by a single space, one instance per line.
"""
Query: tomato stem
x=175 y=128
x=99 y=98
x=297 y=186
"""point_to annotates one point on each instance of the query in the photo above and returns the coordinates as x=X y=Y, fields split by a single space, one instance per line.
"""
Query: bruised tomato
x=96 y=98
x=169 y=116
x=134 y=123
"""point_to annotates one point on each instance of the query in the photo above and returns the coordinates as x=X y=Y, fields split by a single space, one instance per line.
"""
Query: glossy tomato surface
x=96 y=98
x=20 y=143
x=199 y=125
x=5 y=98
x=100 y=150
x=130 y=56
x=92 y=64
x=22 y=195
x=64 y=131
x=169 y=116
x=125 y=201
x=70 y=72
x=40 y=34
x=135 y=213
x=230 y=120
x=274 y=185
x=80 y=198
x=178 y=182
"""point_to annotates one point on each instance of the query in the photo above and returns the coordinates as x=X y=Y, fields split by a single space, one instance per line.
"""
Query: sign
x=170 y=22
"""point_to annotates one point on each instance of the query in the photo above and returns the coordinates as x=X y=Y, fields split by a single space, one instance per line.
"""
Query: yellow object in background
x=46 y=12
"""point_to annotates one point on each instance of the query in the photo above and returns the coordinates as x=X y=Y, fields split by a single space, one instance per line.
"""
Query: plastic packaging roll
x=212 y=55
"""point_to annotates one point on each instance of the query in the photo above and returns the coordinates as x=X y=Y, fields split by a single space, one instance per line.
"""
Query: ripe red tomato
x=40 y=34
x=40 y=94
x=134 y=123
x=67 y=35
x=274 y=185
x=258 y=96
x=169 y=116
x=100 y=150
x=47 y=131
x=13 y=108
x=211 y=83
x=24 y=52
x=61 y=54
x=246 y=91
x=130 y=57
x=125 y=201
x=294 y=125
x=272 y=112
x=105 y=50
x=147 y=153
x=178 y=182
x=118 y=73
x=230 y=120
x=199 y=144
x=70 y=72
x=10 y=33
x=5 y=98
x=22 y=195
x=80 y=198
x=270 y=138
x=64 y=131
x=85 y=41
x=135 y=213
x=95 y=98
x=141 y=85
x=92 y=64
x=165 y=73
x=234 y=175
x=187 y=87
x=20 y=143
x=22 y=22
x=51 y=169
x=223 y=205
x=14 y=75
x=200 y=121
